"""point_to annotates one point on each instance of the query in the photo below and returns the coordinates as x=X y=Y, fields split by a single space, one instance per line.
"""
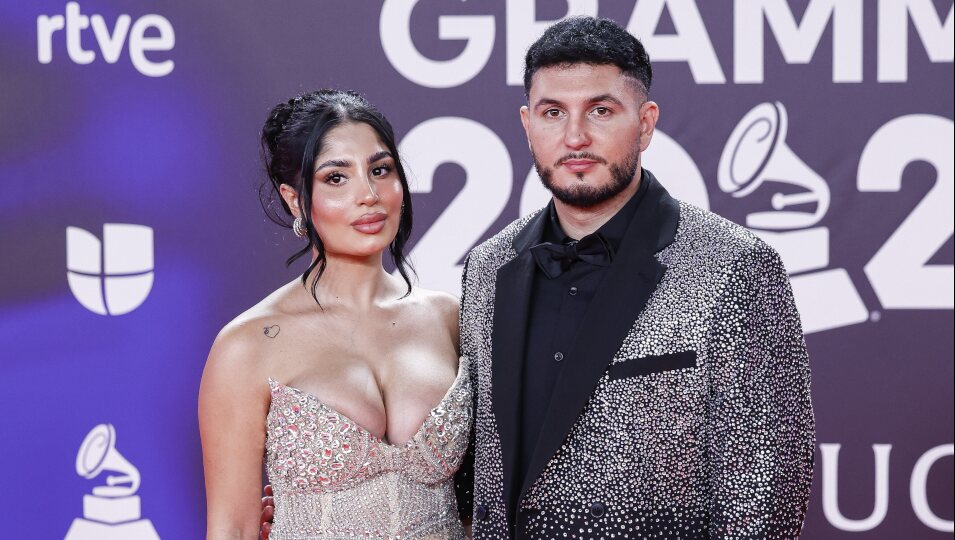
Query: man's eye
x=601 y=111
x=552 y=113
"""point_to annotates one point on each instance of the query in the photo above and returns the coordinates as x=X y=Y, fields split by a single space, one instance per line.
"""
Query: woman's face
x=356 y=192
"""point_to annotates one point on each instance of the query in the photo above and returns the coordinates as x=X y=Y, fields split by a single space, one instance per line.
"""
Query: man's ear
x=525 y=118
x=649 y=114
x=290 y=196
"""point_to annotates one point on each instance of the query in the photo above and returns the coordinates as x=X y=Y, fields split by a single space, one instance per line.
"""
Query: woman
x=347 y=380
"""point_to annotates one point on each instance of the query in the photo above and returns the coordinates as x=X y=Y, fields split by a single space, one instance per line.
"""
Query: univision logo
x=112 y=277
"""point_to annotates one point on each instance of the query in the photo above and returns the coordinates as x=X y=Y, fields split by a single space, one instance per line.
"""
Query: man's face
x=586 y=126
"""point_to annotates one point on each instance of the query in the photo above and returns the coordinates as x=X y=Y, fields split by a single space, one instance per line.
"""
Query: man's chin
x=576 y=178
x=578 y=196
x=585 y=193
x=587 y=180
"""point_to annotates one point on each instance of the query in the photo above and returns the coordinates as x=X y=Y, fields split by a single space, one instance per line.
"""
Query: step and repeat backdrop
x=131 y=231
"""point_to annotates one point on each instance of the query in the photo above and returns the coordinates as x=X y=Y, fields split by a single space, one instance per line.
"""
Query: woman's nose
x=369 y=194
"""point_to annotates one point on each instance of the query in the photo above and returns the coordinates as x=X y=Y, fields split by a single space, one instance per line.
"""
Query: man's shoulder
x=702 y=231
x=501 y=244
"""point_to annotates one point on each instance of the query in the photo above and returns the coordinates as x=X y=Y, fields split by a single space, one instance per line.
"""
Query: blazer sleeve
x=761 y=426
x=464 y=477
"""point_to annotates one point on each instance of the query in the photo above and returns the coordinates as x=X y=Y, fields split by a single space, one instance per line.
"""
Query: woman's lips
x=370 y=223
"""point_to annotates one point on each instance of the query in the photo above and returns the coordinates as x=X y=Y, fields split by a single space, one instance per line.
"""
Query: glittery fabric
x=332 y=479
x=720 y=450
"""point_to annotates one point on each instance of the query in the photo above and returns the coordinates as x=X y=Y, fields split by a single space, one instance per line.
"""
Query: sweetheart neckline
x=362 y=429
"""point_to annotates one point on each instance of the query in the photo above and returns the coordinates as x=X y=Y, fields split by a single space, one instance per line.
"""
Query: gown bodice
x=332 y=479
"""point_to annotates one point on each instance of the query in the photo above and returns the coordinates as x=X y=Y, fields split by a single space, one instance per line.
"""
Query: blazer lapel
x=511 y=307
x=617 y=304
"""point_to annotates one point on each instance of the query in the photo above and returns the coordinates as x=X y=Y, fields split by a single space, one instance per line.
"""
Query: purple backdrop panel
x=131 y=229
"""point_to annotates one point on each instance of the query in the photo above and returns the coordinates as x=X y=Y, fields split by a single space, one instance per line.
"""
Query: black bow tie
x=555 y=259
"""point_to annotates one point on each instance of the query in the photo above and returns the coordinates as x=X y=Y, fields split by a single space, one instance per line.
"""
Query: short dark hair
x=293 y=136
x=588 y=40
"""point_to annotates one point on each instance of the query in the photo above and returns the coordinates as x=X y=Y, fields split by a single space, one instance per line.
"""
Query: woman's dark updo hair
x=293 y=137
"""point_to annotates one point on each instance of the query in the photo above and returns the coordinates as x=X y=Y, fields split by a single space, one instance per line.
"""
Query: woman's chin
x=357 y=252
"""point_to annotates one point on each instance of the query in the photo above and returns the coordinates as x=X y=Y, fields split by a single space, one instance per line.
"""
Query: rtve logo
x=110 y=43
x=112 y=277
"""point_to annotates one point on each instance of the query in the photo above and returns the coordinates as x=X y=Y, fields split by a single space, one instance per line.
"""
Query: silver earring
x=298 y=227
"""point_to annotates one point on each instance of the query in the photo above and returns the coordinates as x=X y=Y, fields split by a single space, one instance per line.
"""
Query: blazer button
x=598 y=509
x=480 y=512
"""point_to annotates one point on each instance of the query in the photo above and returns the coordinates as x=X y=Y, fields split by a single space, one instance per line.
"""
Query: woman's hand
x=268 y=512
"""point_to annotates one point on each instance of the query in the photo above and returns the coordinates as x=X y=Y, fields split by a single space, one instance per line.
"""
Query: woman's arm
x=233 y=403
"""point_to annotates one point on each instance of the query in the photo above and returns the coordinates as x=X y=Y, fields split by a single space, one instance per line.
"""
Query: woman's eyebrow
x=333 y=163
x=377 y=156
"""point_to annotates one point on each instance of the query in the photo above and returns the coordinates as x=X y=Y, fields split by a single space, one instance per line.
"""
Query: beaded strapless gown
x=334 y=480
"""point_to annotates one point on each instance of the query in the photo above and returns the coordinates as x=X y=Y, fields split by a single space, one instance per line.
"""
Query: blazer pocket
x=648 y=365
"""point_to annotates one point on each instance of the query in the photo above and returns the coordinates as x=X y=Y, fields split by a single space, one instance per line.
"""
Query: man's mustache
x=580 y=155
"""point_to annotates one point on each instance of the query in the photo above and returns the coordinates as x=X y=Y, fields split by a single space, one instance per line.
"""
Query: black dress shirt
x=556 y=310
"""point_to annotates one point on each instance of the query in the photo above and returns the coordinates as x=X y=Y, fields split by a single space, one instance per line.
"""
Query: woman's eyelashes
x=337 y=178
x=381 y=170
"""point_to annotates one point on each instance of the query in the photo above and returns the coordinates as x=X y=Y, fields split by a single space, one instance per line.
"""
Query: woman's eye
x=335 y=179
x=382 y=170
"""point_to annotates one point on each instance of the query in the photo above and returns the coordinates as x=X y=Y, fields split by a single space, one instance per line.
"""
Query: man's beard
x=583 y=195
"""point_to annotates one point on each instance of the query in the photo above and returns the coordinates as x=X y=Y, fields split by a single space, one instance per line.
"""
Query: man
x=638 y=363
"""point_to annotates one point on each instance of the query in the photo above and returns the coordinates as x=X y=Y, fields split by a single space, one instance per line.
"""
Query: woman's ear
x=290 y=196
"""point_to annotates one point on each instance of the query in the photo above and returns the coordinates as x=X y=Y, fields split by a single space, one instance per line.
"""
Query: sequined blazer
x=687 y=411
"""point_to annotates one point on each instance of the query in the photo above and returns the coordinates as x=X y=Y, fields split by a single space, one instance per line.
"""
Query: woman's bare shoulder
x=247 y=348
x=439 y=302
x=446 y=307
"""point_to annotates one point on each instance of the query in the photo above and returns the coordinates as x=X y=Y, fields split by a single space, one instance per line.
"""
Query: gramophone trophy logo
x=755 y=155
x=112 y=512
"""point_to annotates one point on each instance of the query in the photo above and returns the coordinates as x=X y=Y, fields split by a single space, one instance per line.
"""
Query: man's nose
x=575 y=134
